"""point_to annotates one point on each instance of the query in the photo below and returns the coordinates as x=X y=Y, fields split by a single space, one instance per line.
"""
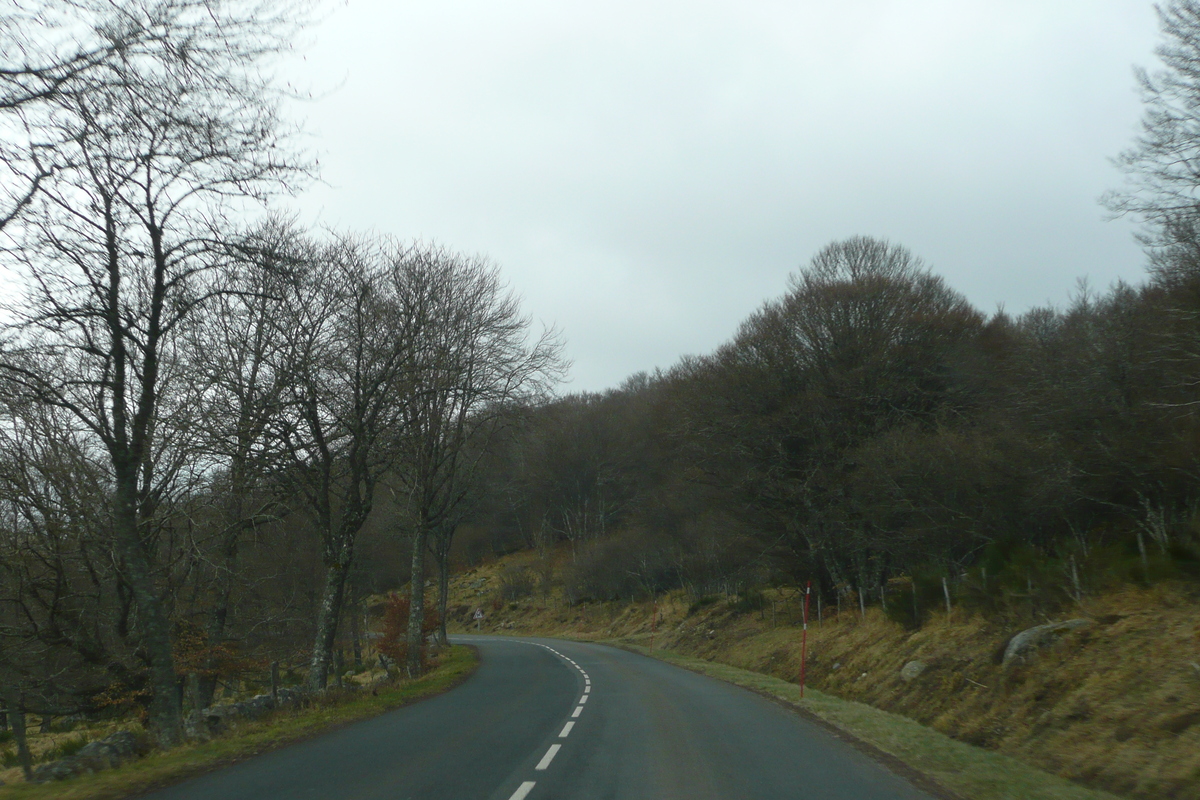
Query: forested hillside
x=870 y=426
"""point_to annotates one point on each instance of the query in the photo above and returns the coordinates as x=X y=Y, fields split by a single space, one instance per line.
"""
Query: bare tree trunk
x=443 y=597
x=916 y=609
x=1141 y=542
x=206 y=685
x=356 y=626
x=416 y=607
x=16 y=714
x=327 y=623
x=166 y=718
x=443 y=556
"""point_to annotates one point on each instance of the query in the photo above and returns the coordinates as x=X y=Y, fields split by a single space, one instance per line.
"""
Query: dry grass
x=1114 y=707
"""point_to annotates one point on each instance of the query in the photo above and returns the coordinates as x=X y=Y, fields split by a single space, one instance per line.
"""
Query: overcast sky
x=648 y=173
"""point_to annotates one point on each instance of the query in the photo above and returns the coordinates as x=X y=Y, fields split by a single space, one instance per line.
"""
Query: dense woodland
x=220 y=432
x=871 y=425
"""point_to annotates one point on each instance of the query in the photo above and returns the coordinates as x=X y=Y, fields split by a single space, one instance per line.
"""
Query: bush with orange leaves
x=394 y=642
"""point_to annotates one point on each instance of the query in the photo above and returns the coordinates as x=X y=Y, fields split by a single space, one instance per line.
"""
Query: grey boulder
x=1024 y=646
x=111 y=751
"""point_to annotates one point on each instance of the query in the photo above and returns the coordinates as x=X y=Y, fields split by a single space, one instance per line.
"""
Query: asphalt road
x=544 y=719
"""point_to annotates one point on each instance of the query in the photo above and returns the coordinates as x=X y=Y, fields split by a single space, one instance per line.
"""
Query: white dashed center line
x=523 y=791
x=550 y=754
x=525 y=788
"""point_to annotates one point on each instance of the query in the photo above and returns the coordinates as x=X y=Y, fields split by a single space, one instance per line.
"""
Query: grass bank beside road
x=965 y=770
x=1113 y=706
x=250 y=738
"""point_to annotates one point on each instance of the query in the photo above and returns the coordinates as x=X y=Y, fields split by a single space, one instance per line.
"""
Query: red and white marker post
x=804 y=637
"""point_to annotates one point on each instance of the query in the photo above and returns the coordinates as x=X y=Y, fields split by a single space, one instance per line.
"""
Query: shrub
x=65 y=748
x=516 y=582
x=924 y=588
x=627 y=566
x=749 y=600
x=394 y=642
x=64 y=725
x=701 y=602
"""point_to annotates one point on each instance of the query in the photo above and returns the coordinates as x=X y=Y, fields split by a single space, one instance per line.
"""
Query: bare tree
x=144 y=156
x=232 y=354
x=474 y=357
x=60 y=598
x=348 y=356
x=1161 y=167
x=44 y=51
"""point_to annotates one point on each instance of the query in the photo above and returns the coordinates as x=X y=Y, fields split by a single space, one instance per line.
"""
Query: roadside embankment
x=1111 y=702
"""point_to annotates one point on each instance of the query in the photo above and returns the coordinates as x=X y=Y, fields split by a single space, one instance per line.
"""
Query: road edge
x=893 y=763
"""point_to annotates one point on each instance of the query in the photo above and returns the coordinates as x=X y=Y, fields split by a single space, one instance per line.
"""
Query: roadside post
x=653 y=621
x=478 y=620
x=804 y=637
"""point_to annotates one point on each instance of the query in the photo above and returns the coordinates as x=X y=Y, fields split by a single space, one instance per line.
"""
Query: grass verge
x=970 y=772
x=251 y=738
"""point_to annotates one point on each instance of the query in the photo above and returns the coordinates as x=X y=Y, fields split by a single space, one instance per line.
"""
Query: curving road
x=548 y=719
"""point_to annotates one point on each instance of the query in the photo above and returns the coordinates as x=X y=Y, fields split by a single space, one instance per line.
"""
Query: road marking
x=525 y=788
x=550 y=754
x=523 y=791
